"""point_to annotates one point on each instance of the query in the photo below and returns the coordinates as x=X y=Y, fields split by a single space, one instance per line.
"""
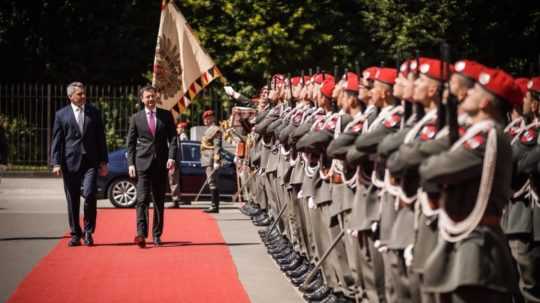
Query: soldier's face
x=424 y=89
x=363 y=94
x=208 y=120
x=78 y=98
x=408 y=87
x=398 y=87
x=458 y=87
x=379 y=93
x=476 y=96
x=149 y=99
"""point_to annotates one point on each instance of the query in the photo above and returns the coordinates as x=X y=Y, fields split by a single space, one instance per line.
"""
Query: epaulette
x=476 y=141
x=392 y=121
x=529 y=136
x=428 y=132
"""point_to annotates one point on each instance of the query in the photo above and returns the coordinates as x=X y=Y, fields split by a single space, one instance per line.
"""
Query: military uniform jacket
x=211 y=146
x=522 y=214
x=466 y=262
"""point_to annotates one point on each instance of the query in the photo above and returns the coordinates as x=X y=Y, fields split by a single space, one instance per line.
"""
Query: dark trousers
x=151 y=182
x=86 y=178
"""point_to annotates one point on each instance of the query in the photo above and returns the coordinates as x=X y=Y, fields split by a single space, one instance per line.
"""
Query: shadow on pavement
x=34 y=238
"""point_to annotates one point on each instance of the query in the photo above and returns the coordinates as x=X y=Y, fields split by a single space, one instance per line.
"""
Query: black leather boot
x=215 y=203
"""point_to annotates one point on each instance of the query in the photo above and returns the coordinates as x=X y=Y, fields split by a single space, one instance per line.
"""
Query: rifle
x=451 y=101
x=407 y=106
x=419 y=108
x=291 y=100
x=315 y=269
x=441 y=107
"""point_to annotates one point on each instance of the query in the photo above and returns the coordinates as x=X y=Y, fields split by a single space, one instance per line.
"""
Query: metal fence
x=27 y=112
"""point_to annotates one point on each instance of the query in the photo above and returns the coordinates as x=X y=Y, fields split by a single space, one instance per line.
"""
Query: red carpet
x=193 y=265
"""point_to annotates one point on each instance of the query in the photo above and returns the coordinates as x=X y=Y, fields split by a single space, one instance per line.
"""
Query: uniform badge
x=392 y=121
x=356 y=128
x=428 y=132
x=475 y=142
x=529 y=136
x=331 y=125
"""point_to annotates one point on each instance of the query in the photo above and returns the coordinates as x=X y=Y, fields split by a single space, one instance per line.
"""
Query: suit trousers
x=151 y=183
x=86 y=177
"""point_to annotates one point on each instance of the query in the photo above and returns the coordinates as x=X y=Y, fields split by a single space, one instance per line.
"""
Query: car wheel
x=123 y=193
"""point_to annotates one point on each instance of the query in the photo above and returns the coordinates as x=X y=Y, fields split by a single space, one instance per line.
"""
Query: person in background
x=174 y=176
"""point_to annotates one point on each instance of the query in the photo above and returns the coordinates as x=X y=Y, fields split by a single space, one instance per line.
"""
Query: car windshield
x=191 y=152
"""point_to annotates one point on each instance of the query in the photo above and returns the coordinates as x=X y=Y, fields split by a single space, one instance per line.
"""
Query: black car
x=120 y=189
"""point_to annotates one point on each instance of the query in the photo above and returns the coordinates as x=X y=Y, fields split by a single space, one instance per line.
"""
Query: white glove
x=231 y=92
x=216 y=165
x=408 y=255
x=311 y=203
x=374 y=226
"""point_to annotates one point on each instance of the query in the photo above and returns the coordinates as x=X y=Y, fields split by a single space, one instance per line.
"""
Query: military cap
x=522 y=84
x=328 y=87
x=501 y=84
x=351 y=83
x=295 y=80
x=432 y=68
x=369 y=73
x=320 y=78
x=386 y=75
x=208 y=113
x=468 y=68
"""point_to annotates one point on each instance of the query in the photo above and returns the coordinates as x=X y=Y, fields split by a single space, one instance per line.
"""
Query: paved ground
x=33 y=219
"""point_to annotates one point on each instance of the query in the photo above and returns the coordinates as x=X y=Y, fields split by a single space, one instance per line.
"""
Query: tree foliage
x=114 y=41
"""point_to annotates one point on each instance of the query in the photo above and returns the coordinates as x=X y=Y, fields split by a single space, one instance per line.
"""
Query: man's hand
x=231 y=92
x=216 y=165
x=132 y=172
x=57 y=171
x=170 y=165
x=103 y=169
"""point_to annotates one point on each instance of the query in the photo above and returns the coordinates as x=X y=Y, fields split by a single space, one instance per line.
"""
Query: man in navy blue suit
x=79 y=153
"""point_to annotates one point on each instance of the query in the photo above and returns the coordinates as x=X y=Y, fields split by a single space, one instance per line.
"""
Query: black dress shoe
x=74 y=241
x=157 y=242
x=140 y=241
x=299 y=271
x=280 y=251
x=318 y=294
x=294 y=264
x=312 y=286
x=300 y=280
x=259 y=217
x=211 y=210
x=88 y=240
x=284 y=253
x=330 y=299
x=288 y=259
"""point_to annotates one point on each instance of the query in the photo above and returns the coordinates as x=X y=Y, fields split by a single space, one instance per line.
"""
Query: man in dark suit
x=151 y=152
x=78 y=151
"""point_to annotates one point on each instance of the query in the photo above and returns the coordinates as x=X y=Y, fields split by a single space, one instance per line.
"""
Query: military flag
x=182 y=68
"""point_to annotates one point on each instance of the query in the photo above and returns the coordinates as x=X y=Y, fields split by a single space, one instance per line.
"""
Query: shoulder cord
x=450 y=230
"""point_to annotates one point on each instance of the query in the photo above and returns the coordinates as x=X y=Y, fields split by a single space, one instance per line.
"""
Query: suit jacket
x=143 y=147
x=68 y=142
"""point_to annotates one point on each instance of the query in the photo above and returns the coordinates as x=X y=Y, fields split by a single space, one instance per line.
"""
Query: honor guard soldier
x=521 y=219
x=211 y=157
x=471 y=261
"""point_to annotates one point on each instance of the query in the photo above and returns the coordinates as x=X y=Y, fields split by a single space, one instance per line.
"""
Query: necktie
x=152 y=123
x=80 y=119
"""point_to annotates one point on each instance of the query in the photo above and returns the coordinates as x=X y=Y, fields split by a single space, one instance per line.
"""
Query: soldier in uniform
x=472 y=261
x=211 y=157
x=521 y=216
